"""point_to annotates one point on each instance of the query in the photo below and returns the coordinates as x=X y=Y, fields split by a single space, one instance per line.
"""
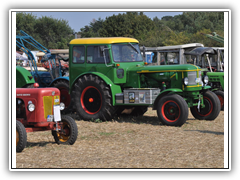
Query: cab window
x=95 y=55
x=78 y=54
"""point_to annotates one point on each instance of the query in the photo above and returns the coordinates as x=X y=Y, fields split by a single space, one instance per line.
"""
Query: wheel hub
x=89 y=95
x=170 y=111
x=90 y=100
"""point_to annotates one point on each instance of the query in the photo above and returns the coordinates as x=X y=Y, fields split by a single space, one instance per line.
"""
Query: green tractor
x=24 y=79
x=108 y=75
x=210 y=59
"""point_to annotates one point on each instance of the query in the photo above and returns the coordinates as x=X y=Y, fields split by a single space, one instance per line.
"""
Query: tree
x=131 y=24
x=180 y=29
x=93 y=29
x=25 y=22
x=175 y=39
x=201 y=38
x=51 y=33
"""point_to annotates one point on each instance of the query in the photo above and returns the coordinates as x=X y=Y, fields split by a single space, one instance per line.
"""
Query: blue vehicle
x=56 y=74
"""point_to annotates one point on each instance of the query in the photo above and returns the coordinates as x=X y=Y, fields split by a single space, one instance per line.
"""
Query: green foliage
x=93 y=29
x=188 y=27
x=176 y=39
x=131 y=24
x=51 y=33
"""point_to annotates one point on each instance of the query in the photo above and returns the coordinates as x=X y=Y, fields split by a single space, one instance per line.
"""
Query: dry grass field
x=130 y=142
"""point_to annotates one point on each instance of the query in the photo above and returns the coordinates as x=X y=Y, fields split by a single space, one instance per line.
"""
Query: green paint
x=122 y=71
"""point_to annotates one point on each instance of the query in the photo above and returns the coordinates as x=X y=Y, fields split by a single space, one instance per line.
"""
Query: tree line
x=51 y=33
x=188 y=27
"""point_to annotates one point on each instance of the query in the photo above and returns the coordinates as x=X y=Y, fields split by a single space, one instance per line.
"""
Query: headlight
x=205 y=79
x=62 y=106
x=185 y=81
x=31 y=107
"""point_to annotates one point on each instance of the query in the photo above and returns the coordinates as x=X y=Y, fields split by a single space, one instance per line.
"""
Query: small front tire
x=68 y=133
x=172 y=110
x=21 y=137
x=212 y=107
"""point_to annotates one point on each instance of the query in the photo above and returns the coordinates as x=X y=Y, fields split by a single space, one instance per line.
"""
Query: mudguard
x=163 y=93
x=60 y=78
x=115 y=89
x=23 y=77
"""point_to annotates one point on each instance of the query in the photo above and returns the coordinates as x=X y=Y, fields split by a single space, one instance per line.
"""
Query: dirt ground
x=130 y=143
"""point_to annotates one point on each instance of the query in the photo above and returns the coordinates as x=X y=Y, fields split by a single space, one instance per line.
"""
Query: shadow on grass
x=40 y=144
x=137 y=120
x=206 y=131
x=123 y=118
x=126 y=118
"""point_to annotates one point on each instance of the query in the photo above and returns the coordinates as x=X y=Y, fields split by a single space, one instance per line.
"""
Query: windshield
x=126 y=53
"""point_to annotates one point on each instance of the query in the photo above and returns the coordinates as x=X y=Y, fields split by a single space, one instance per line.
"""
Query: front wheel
x=172 y=110
x=211 y=109
x=68 y=133
x=21 y=137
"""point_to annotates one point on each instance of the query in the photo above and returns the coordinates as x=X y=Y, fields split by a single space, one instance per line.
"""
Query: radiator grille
x=192 y=78
x=47 y=104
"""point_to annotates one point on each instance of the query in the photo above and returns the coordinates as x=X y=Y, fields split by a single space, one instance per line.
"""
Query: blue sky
x=78 y=20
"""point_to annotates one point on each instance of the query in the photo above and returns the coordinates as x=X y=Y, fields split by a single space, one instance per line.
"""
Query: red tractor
x=38 y=109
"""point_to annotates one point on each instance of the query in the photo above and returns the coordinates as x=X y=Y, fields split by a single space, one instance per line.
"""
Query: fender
x=113 y=87
x=206 y=87
x=60 y=78
x=23 y=77
x=165 y=92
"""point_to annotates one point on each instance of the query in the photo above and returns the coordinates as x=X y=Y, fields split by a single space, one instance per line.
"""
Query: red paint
x=221 y=100
x=211 y=105
x=82 y=100
x=35 y=85
x=169 y=110
x=35 y=121
x=65 y=96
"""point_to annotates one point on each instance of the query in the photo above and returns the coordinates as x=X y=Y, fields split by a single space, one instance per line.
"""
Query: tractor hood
x=165 y=68
x=136 y=74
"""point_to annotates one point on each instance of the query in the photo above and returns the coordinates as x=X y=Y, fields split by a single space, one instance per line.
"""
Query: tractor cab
x=206 y=57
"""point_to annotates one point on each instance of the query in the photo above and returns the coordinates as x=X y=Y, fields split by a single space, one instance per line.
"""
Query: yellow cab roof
x=107 y=40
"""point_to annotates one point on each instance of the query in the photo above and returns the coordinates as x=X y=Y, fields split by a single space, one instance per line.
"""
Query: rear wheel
x=21 y=137
x=172 y=110
x=220 y=95
x=211 y=109
x=92 y=98
x=65 y=97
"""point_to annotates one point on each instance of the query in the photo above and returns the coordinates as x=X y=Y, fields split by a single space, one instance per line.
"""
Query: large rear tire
x=92 y=98
x=172 y=110
x=65 y=97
